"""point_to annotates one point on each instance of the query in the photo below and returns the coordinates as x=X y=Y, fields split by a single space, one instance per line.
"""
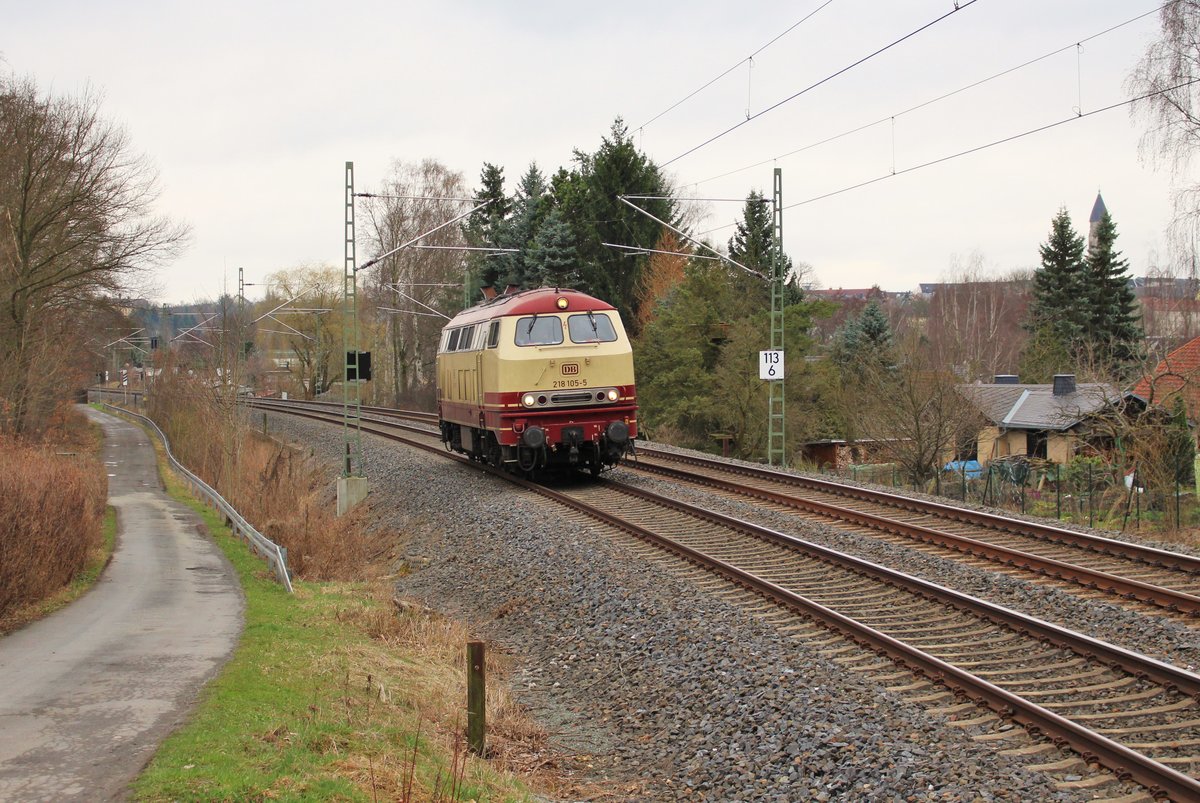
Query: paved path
x=86 y=695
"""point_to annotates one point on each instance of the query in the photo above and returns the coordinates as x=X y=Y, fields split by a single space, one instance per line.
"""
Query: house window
x=1036 y=444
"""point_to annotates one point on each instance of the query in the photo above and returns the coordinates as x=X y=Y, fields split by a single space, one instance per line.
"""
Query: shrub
x=51 y=509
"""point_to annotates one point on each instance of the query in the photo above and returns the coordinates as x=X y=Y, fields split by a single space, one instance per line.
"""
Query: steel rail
x=1092 y=578
x=1149 y=555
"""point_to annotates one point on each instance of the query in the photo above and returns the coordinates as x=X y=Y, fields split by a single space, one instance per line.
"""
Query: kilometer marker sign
x=770 y=364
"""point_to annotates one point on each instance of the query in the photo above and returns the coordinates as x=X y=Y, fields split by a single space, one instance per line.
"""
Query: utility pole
x=352 y=485
x=776 y=442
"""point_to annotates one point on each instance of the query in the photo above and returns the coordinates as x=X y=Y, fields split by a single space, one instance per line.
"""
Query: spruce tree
x=1060 y=292
x=864 y=342
x=587 y=198
x=551 y=260
x=529 y=204
x=485 y=227
x=1114 y=326
x=753 y=241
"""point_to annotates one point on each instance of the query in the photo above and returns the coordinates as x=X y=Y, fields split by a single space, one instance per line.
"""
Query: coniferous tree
x=529 y=207
x=587 y=198
x=864 y=341
x=1114 y=326
x=1060 y=291
x=485 y=227
x=753 y=241
x=551 y=260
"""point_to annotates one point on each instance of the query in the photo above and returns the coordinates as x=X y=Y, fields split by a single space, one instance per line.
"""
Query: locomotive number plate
x=570 y=368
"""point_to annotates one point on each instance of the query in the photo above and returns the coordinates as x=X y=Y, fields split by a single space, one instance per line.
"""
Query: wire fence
x=274 y=554
x=1084 y=493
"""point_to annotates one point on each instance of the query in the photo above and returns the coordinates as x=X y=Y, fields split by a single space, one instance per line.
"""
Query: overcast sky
x=250 y=111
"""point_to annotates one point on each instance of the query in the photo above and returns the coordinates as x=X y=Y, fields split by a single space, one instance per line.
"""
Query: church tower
x=1098 y=213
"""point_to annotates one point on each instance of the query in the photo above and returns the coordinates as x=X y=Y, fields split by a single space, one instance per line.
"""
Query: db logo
x=570 y=368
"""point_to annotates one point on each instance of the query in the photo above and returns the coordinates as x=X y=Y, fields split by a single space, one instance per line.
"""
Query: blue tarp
x=974 y=470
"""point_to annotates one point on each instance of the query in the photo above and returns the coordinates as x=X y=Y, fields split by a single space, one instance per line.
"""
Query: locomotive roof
x=542 y=301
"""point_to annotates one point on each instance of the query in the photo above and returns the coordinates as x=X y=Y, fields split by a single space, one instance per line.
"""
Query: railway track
x=1131 y=575
x=1136 y=716
x=1083 y=563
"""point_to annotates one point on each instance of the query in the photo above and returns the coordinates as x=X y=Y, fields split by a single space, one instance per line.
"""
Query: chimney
x=1064 y=384
x=1006 y=379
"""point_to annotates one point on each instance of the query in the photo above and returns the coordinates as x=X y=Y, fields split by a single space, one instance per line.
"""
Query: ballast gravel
x=665 y=691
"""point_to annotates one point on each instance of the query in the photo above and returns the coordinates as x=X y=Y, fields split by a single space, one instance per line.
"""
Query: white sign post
x=770 y=364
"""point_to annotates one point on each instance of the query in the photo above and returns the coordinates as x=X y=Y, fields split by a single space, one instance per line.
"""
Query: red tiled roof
x=1178 y=375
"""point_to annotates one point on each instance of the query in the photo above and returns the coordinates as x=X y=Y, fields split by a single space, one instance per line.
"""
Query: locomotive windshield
x=591 y=328
x=539 y=331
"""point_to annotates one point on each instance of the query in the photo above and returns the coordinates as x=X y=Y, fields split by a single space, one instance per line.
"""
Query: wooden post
x=476 y=698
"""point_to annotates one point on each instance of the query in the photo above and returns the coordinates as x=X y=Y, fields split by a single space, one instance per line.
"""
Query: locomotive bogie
x=536 y=379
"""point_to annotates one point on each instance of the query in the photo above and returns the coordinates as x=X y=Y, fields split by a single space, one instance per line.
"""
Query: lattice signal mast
x=352 y=465
x=776 y=440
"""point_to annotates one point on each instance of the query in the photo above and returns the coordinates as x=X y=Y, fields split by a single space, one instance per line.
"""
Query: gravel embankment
x=672 y=693
x=1158 y=637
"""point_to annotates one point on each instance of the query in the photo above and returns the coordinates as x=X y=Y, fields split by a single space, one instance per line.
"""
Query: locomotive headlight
x=562 y=303
x=529 y=400
x=612 y=395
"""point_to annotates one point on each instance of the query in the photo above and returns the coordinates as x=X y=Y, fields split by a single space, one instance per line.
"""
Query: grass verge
x=332 y=694
x=97 y=559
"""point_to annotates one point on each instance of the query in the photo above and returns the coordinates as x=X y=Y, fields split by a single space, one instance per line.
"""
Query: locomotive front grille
x=571 y=398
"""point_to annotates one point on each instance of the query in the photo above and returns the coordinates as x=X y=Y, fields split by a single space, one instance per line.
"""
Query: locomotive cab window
x=539 y=331
x=452 y=343
x=464 y=342
x=493 y=335
x=591 y=328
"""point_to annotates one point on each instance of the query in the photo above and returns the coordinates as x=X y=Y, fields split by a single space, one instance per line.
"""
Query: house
x=1044 y=421
x=1176 y=377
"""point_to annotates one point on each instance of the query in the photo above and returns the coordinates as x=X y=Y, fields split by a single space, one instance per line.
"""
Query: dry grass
x=417 y=661
x=284 y=493
x=52 y=499
x=401 y=689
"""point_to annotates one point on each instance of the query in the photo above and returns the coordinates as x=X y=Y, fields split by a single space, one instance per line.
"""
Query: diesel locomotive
x=537 y=379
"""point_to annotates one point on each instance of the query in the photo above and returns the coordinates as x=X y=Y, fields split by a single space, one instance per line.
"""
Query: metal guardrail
x=274 y=554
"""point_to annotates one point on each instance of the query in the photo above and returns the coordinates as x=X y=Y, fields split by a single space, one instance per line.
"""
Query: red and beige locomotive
x=537 y=379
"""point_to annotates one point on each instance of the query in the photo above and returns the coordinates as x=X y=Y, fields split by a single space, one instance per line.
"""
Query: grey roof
x=1036 y=407
x=1098 y=210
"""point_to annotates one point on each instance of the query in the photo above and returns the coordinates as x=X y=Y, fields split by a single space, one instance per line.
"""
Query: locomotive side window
x=493 y=335
x=591 y=328
x=539 y=331
x=464 y=342
x=452 y=344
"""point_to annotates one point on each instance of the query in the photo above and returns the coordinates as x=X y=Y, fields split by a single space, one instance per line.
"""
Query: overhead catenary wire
x=932 y=101
x=749 y=58
x=1073 y=118
x=412 y=197
x=959 y=5
x=689 y=237
x=638 y=250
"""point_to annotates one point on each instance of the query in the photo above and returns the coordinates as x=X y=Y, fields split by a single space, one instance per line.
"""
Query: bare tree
x=974 y=323
x=304 y=330
x=76 y=211
x=1166 y=79
x=911 y=412
x=414 y=200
